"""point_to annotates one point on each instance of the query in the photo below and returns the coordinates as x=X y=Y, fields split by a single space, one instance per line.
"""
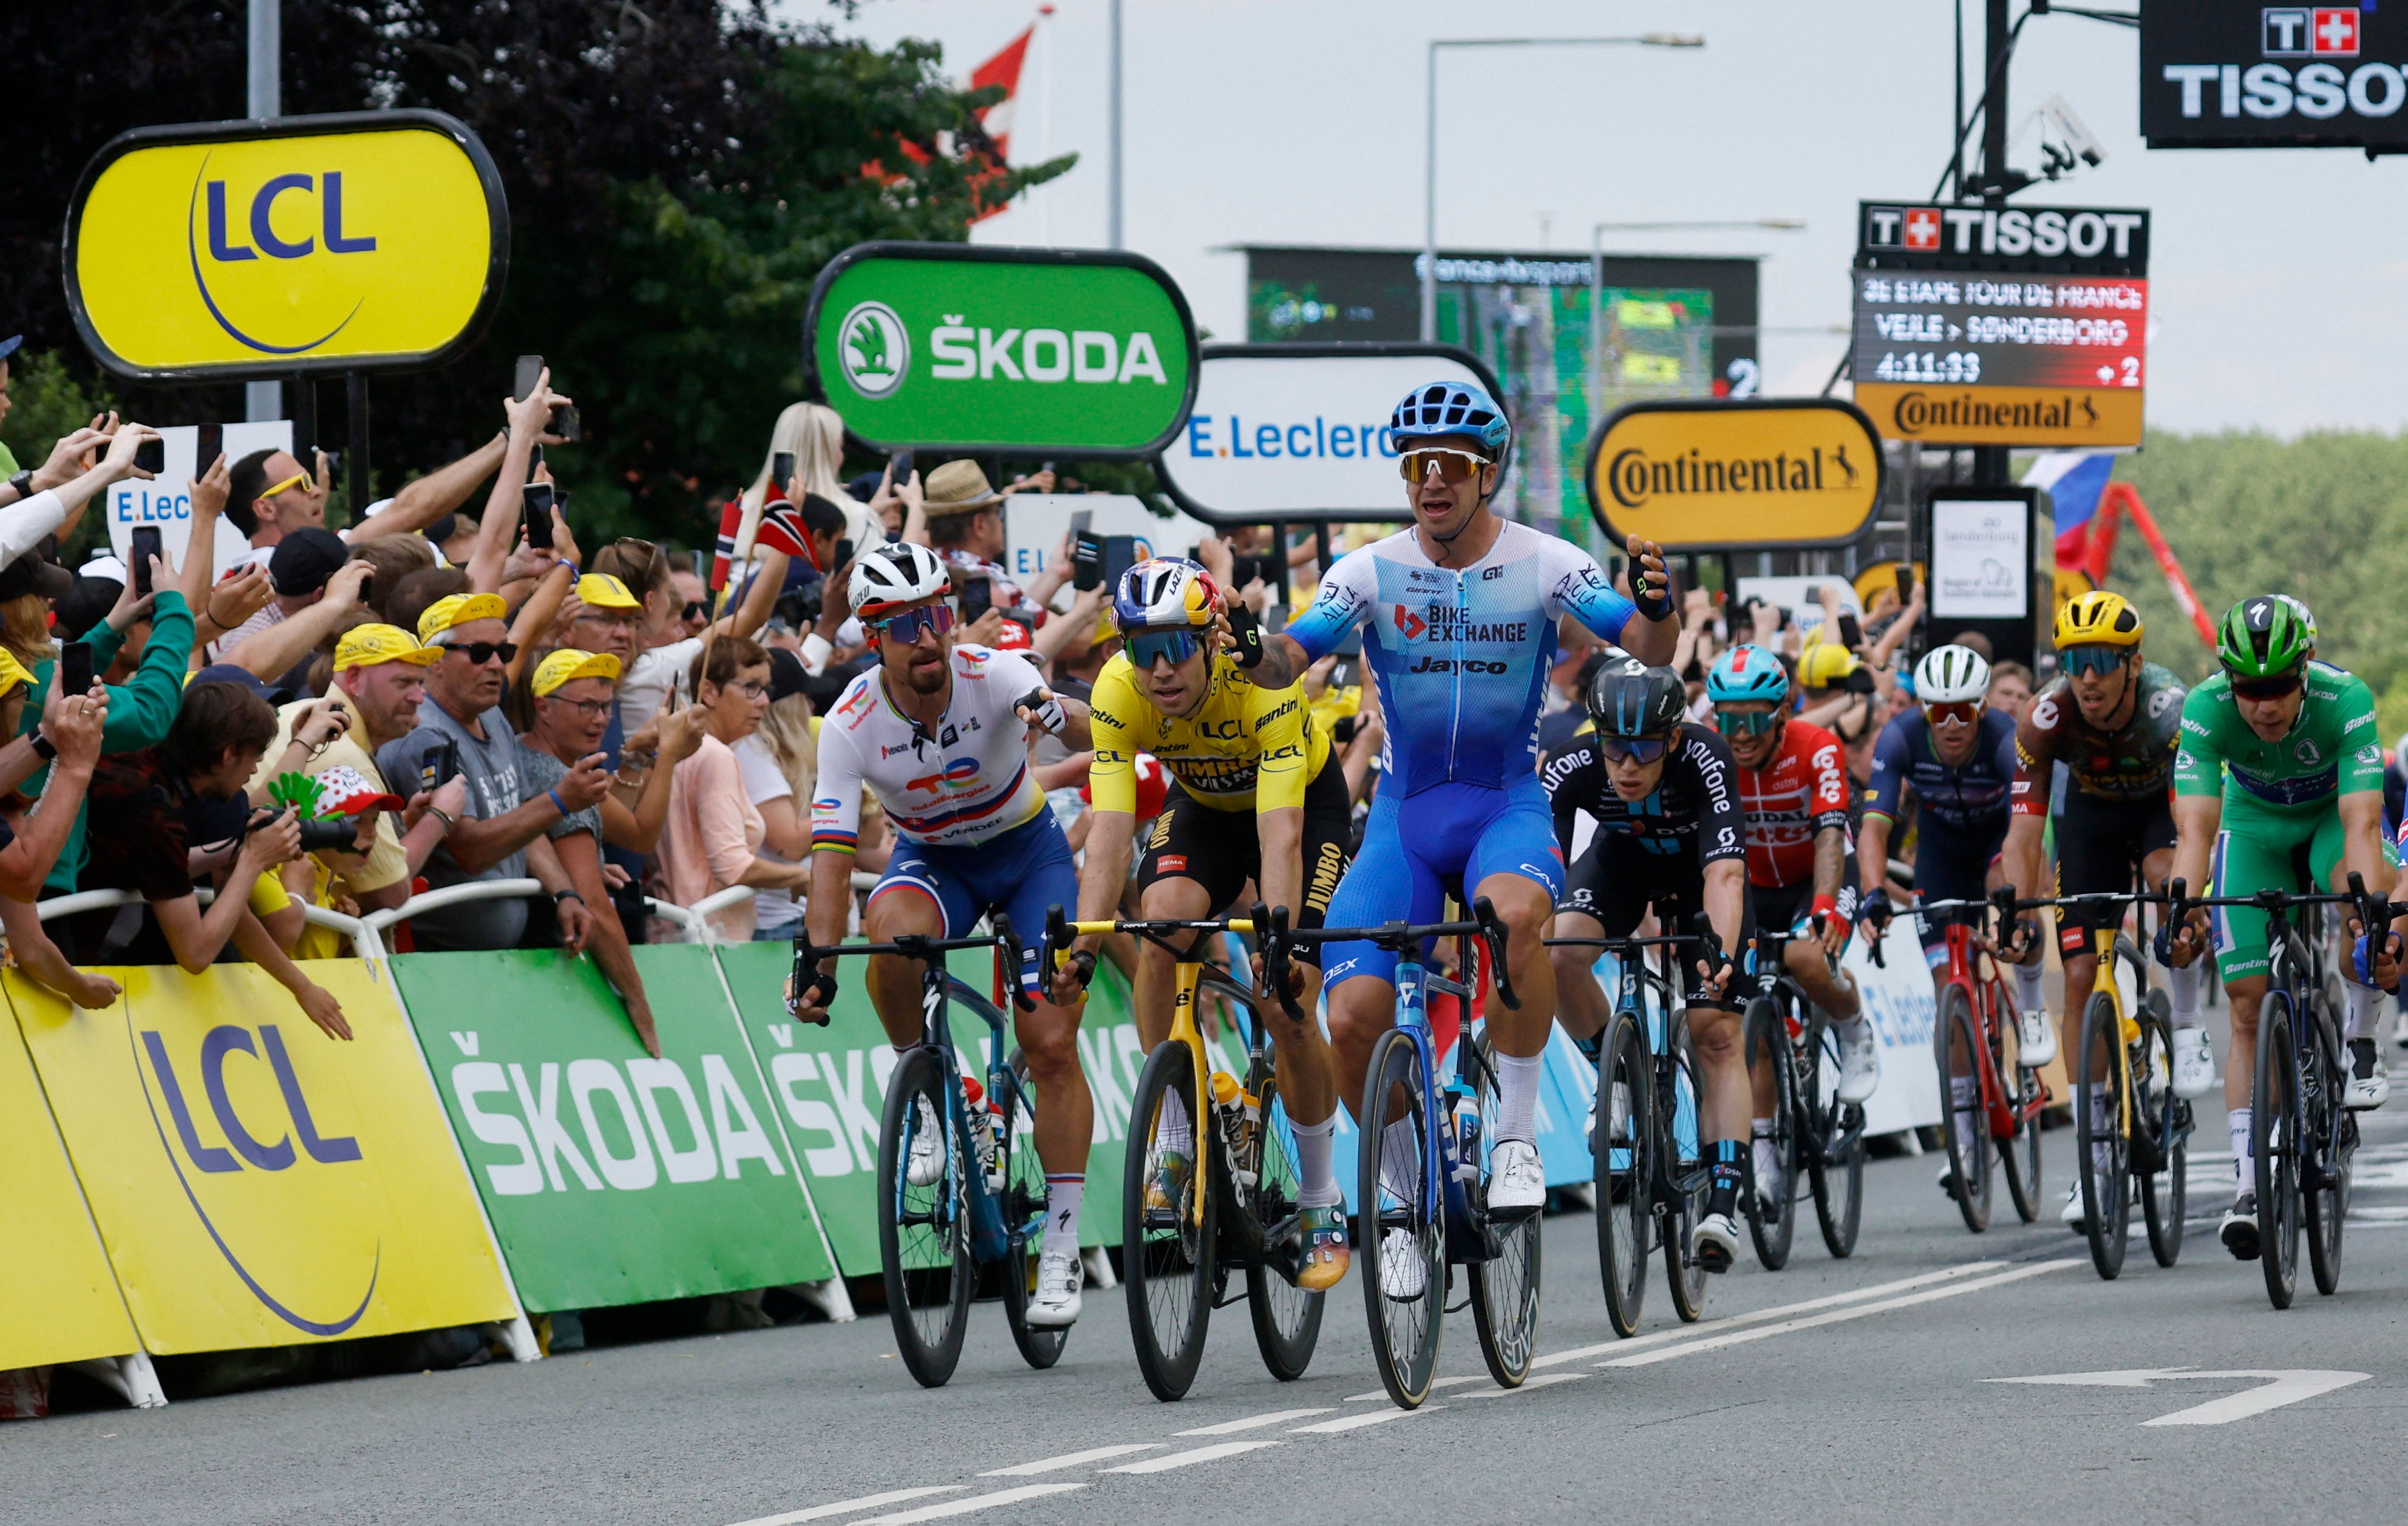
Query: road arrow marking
x=2284 y=1385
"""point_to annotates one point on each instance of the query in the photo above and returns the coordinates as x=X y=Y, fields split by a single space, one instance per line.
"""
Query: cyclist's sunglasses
x=909 y=626
x=480 y=652
x=1632 y=749
x=2266 y=688
x=1954 y=712
x=1451 y=466
x=2080 y=660
x=1746 y=723
x=1148 y=647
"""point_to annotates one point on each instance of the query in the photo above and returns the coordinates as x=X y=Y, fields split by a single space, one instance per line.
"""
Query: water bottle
x=1467 y=1123
x=1240 y=1113
x=986 y=1130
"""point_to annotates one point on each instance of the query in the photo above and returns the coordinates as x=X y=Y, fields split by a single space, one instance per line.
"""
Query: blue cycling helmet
x=1451 y=408
x=1745 y=673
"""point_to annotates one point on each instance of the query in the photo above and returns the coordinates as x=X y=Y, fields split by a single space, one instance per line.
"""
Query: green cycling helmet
x=2264 y=636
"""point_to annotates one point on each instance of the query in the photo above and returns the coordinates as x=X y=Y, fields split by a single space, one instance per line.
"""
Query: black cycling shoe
x=2239 y=1230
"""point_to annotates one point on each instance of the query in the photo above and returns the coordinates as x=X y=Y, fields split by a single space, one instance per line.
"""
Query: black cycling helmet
x=1628 y=699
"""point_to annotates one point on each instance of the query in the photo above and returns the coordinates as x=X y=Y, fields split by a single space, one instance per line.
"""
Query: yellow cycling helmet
x=1825 y=664
x=2098 y=619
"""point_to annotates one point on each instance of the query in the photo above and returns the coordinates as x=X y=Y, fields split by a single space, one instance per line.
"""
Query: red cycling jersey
x=1801 y=789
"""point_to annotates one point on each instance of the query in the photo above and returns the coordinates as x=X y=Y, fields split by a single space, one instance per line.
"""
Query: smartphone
x=144 y=545
x=1906 y=583
x=1086 y=558
x=903 y=465
x=538 y=515
x=781 y=471
x=1045 y=466
x=438 y=764
x=530 y=372
x=333 y=468
x=1080 y=518
x=211 y=446
x=1119 y=555
x=978 y=596
x=567 y=424
x=1851 y=634
x=75 y=667
x=535 y=459
x=367 y=589
x=151 y=455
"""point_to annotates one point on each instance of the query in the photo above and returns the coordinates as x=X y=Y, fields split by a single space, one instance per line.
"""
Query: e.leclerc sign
x=1303 y=428
x=360 y=241
x=1706 y=473
x=1055 y=352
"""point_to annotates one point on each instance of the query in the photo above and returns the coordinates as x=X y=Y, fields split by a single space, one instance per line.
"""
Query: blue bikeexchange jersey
x=1970 y=799
x=1461 y=656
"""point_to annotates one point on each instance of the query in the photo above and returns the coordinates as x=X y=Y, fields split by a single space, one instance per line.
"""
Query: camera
x=319 y=835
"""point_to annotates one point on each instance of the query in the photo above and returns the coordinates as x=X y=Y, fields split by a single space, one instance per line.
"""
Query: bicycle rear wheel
x=1287 y=1317
x=1624 y=1144
x=2019 y=1152
x=1023 y=1221
x=1772 y=1205
x=2165 y=1190
x=924 y=1230
x=1681 y=1132
x=1967 y=1125
x=1505 y=1286
x=2274 y=1128
x=1403 y=1244
x=2103 y=1155
x=1832 y=1139
x=2324 y=1198
x=1167 y=1251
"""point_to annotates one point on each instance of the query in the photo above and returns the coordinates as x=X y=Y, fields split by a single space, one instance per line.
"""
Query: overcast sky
x=2275 y=275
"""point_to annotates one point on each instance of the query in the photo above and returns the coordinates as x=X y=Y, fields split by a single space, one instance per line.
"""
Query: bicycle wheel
x=924 y=1230
x=2324 y=1179
x=2274 y=1128
x=1967 y=1126
x=1505 y=1286
x=2102 y=1154
x=1624 y=1144
x=1024 y=1220
x=1831 y=1137
x=2164 y=1191
x=2019 y=1152
x=1684 y=1157
x=1287 y=1318
x=1167 y=1251
x=1403 y=1244
x=1772 y=1205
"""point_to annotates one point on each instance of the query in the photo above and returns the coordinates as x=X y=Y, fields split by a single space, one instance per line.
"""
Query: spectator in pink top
x=714 y=831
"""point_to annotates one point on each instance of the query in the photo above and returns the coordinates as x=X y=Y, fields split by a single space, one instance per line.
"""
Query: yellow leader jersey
x=1245 y=748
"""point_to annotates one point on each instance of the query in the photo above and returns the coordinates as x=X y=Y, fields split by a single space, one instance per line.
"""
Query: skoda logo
x=875 y=350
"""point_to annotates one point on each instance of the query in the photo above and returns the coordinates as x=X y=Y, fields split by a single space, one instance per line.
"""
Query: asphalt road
x=1866 y=1388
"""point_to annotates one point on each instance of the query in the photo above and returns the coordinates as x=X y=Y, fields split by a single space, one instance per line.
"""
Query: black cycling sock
x=1722 y=1193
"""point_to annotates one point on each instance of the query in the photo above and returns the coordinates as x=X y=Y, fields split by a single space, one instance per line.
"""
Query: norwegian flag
x=724 y=556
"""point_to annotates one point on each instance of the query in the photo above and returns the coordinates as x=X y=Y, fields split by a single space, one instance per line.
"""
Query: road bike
x=1422 y=1196
x=1814 y=1135
x=984 y=1211
x=1235 y=1209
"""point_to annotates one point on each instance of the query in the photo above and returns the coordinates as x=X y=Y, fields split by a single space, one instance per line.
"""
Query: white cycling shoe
x=1059 y=1278
x=1402 y=1274
x=2035 y=1038
x=926 y=1165
x=1716 y=1242
x=1859 y=1060
x=1517 y=1183
x=2194 y=1064
x=1768 y=1172
x=2071 y=1215
x=2370 y=1083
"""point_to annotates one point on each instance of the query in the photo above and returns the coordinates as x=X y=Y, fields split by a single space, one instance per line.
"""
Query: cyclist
x=2279 y=776
x=1793 y=786
x=1957 y=757
x=938 y=731
x=1232 y=749
x=1669 y=834
x=2113 y=720
x=1460 y=615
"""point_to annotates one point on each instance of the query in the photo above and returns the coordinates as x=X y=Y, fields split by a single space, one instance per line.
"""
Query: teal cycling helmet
x=1747 y=672
x=1439 y=409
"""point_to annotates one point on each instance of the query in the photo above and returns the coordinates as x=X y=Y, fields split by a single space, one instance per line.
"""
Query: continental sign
x=360 y=241
x=2053 y=418
x=1057 y=352
x=1723 y=473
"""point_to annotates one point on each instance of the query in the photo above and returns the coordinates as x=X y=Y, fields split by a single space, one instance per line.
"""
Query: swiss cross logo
x=1923 y=227
x=1410 y=624
x=2334 y=32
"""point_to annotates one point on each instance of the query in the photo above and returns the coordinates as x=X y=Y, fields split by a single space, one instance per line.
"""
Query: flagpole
x=1045 y=131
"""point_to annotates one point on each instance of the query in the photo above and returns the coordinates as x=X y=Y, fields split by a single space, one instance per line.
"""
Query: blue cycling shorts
x=1412 y=846
x=1022 y=873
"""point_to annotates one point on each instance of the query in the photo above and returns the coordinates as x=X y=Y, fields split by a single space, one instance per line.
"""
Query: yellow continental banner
x=231 y=248
x=58 y=1302
x=1699 y=473
x=2051 y=418
x=257 y=1183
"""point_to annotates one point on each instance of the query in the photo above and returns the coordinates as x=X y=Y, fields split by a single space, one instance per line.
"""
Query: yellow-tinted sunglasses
x=300 y=480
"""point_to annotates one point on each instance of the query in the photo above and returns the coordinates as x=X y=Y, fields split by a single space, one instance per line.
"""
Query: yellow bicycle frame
x=2128 y=1027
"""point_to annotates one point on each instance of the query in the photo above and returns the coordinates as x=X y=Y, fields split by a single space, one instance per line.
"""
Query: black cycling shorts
x=2100 y=844
x=1952 y=864
x=1222 y=850
x=1617 y=880
x=1782 y=907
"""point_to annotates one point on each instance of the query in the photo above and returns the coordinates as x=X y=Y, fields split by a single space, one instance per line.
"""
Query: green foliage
x=45 y=402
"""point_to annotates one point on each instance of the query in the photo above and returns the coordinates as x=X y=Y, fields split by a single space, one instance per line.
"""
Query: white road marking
x=1068 y=1460
x=1252 y=1422
x=1189 y=1459
x=1548 y=1381
x=1437 y=1384
x=2289 y=1386
x=845 y=1508
x=976 y=1501
x=1357 y=1423
x=1715 y=1343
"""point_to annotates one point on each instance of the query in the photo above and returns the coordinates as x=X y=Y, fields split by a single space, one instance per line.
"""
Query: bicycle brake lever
x=1013 y=960
x=1492 y=931
x=1702 y=927
x=1270 y=930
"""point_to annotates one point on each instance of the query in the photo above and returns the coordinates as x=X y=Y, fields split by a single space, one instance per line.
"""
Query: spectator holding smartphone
x=714 y=830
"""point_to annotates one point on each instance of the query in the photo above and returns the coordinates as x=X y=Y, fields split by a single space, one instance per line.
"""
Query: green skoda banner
x=612 y=1178
x=1055 y=352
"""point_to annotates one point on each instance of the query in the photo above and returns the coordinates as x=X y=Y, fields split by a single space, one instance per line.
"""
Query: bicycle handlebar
x=1272 y=922
x=910 y=945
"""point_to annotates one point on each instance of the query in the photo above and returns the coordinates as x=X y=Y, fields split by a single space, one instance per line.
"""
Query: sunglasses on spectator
x=1148 y=647
x=1451 y=466
x=1632 y=749
x=1953 y=712
x=2266 y=688
x=908 y=626
x=694 y=610
x=481 y=653
x=2080 y=660
x=300 y=480
x=1746 y=723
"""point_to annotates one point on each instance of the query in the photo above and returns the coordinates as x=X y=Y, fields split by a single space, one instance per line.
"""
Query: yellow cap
x=458 y=609
x=568 y=663
x=606 y=592
x=12 y=672
x=1825 y=664
x=370 y=646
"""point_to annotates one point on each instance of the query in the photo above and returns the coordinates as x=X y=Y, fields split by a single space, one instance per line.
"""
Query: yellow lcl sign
x=354 y=243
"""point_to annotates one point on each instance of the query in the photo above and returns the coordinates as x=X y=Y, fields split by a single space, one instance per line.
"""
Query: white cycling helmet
x=897 y=572
x=1948 y=674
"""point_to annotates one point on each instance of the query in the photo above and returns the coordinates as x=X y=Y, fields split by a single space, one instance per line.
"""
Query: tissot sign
x=2217 y=74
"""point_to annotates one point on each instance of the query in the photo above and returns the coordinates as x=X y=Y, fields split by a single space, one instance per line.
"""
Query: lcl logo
x=326 y=232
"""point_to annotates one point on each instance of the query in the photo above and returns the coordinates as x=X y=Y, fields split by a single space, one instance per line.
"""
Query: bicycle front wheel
x=1024 y=1221
x=1168 y=1246
x=2165 y=1189
x=1772 y=1203
x=924 y=1227
x=1967 y=1127
x=2019 y=1152
x=1683 y=1140
x=2325 y=1181
x=1402 y=1237
x=1505 y=1286
x=2102 y=1148
x=1623 y=1141
x=1832 y=1139
x=2275 y=1129
x=1287 y=1318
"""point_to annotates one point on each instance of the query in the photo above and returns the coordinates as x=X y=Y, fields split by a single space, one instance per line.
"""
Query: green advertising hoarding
x=1055 y=352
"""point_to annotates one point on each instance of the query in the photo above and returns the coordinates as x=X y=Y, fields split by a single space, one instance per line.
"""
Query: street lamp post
x=1596 y=370
x=1430 y=164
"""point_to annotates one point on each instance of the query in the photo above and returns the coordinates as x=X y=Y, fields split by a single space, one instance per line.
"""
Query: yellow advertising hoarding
x=360 y=241
x=60 y=1302
x=1708 y=474
x=2037 y=418
x=255 y=1182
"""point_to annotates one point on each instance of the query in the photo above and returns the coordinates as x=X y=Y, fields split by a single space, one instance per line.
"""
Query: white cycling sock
x=1062 y=1196
x=2028 y=994
x=1768 y=1159
x=2102 y=1118
x=2363 y=1000
x=1400 y=1159
x=1174 y=1131
x=1517 y=1095
x=2237 y=1121
x=1964 y=1092
x=2186 y=980
x=1316 y=1184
